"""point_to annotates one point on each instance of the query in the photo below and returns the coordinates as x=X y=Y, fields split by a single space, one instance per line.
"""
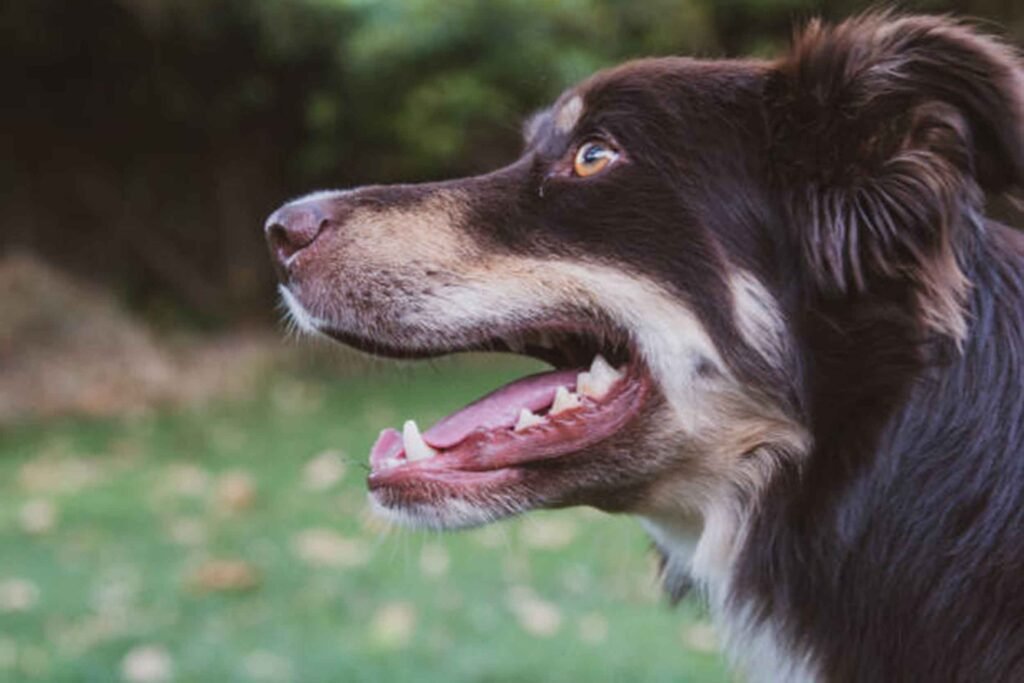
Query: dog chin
x=297 y=315
x=448 y=515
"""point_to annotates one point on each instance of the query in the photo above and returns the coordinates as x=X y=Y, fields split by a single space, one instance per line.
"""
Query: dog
x=783 y=334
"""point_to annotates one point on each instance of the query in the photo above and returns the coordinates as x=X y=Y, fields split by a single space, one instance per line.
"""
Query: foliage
x=153 y=136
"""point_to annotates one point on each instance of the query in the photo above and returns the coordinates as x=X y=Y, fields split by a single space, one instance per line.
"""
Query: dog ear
x=886 y=131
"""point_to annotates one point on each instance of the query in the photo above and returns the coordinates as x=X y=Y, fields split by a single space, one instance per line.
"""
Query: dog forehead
x=634 y=75
x=660 y=79
x=560 y=120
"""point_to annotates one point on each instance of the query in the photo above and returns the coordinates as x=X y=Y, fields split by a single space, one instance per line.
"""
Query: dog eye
x=592 y=157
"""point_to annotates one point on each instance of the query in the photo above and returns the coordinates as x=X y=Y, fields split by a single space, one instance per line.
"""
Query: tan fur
x=758 y=317
x=425 y=233
x=569 y=114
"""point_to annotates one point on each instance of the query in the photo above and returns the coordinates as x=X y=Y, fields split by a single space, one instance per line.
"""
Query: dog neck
x=701 y=553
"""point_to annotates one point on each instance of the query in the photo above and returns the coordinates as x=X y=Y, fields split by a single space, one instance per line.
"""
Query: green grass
x=104 y=523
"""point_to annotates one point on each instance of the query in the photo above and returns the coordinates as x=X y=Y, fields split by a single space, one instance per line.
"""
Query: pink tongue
x=500 y=408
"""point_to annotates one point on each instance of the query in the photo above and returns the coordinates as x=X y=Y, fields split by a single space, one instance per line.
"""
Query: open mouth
x=595 y=389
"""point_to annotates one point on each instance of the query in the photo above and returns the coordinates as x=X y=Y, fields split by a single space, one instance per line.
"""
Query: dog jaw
x=415 y=278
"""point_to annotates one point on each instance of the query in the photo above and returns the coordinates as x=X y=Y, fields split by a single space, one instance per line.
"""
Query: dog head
x=690 y=225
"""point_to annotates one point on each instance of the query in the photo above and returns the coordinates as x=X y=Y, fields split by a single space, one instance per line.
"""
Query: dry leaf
x=536 y=616
x=324 y=471
x=147 y=664
x=18 y=595
x=223 y=575
x=701 y=637
x=327 y=548
x=393 y=624
x=548 y=533
x=236 y=491
x=37 y=516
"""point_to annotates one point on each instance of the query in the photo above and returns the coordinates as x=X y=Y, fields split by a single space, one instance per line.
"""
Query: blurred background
x=181 y=486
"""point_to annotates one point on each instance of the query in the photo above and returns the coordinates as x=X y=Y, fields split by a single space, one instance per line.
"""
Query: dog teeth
x=596 y=382
x=601 y=369
x=415 y=447
x=527 y=419
x=564 y=400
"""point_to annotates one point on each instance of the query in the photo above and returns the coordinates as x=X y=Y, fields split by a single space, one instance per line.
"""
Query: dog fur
x=832 y=447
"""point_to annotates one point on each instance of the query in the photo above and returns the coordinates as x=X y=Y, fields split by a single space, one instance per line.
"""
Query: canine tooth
x=564 y=400
x=527 y=419
x=415 y=447
x=598 y=380
x=601 y=370
x=584 y=384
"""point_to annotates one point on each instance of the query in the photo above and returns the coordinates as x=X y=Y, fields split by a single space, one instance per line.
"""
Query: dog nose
x=291 y=229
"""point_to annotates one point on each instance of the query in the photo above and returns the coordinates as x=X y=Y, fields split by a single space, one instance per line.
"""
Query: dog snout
x=291 y=229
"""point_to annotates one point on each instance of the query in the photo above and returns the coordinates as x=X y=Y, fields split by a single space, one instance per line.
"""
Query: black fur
x=895 y=552
x=850 y=178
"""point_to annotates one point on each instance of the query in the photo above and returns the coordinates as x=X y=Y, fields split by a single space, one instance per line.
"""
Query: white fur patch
x=569 y=114
x=753 y=647
x=298 y=316
x=757 y=650
x=758 y=317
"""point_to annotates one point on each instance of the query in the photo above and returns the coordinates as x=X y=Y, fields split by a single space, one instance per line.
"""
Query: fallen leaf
x=37 y=516
x=547 y=533
x=492 y=536
x=392 y=625
x=147 y=664
x=324 y=471
x=701 y=637
x=18 y=595
x=236 y=491
x=327 y=548
x=536 y=616
x=223 y=575
x=57 y=475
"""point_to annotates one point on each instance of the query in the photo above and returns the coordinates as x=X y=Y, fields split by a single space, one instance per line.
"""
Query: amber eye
x=592 y=157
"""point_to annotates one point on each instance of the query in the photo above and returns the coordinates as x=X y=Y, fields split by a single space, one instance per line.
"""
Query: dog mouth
x=596 y=387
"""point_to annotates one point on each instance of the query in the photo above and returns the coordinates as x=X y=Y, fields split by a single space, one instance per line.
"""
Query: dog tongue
x=499 y=408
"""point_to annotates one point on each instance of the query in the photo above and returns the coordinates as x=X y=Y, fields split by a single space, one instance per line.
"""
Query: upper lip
x=561 y=345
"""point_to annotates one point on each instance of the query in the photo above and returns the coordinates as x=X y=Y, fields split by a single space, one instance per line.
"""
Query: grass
x=232 y=543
